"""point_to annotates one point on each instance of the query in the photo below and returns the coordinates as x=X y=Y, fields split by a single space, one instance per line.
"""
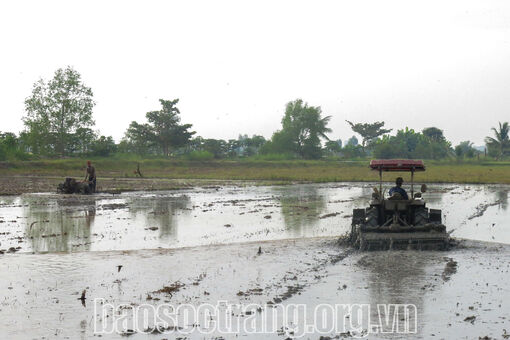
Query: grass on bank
x=256 y=169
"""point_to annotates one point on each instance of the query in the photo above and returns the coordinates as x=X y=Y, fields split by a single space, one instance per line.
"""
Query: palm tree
x=305 y=126
x=501 y=142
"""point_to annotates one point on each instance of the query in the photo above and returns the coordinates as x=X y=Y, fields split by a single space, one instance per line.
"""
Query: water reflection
x=301 y=207
x=399 y=278
x=59 y=226
x=141 y=220
x=7 y=200
x=160 y=212
x=502 y=198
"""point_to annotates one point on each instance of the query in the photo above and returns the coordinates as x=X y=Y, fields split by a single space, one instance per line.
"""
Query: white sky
x=234 y=64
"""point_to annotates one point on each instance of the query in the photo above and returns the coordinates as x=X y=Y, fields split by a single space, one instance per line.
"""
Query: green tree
x=9 y=140
x=281 y=143
x=138 y=138
x=82 y=140
x=217 y=147
x=103 y=146
x=351 y=151
x=8 y=145
x=368 y=132
x=334 y=146
x=56 y=109
x=465 y=149
x=196 y=144
x=438 y=147
x=353 y=141
x=163 y=129
x=255 y=141
x=387 y=148
x=249 y=146
x=233 y=148
x=499 y=145
x=11 y=147
x=303 y=127
x=408 y=143
x=433 y=134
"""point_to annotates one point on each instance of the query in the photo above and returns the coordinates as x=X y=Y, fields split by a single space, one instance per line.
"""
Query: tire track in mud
x=404 y=264
x=482 y=208
x=170 y=289
x=303 y=278
x=304 y=274
x=449 y=269
x=321 y=265
x=480 y=211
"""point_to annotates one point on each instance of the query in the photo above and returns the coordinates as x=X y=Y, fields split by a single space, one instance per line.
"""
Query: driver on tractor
x=397 y=192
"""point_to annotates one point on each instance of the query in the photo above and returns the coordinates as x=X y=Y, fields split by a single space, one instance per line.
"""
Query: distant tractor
x=395 y=222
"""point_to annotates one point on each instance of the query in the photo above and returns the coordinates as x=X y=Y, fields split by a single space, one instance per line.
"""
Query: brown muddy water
x=201 y=245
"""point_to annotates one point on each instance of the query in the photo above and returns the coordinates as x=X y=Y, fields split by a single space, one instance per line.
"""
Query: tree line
x=59 y=123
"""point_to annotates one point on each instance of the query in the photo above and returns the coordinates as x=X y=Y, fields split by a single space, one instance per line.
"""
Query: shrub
x=199 y=156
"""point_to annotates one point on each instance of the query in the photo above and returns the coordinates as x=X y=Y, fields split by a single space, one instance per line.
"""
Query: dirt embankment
x=16 y=185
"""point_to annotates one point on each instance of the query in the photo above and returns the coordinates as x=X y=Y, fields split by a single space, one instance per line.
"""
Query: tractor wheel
x=372 y=217
x=421 y=216
x=353 y=237
x=435 y=216
x=358 y=216
x=352 y=234
x=362 y=245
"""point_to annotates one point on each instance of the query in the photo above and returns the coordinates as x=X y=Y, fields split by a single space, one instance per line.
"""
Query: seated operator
x=397 y=191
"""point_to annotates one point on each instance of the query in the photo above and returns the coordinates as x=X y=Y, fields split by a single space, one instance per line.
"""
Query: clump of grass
x=272 y=157
x=199 y=156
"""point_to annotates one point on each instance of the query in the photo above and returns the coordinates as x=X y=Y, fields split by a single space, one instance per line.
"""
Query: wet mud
x=281 y=246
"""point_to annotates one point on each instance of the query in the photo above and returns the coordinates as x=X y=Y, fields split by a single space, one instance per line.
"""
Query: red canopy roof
x=397 y=165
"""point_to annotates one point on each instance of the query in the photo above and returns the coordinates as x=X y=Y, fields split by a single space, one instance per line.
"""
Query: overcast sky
x=234 y=64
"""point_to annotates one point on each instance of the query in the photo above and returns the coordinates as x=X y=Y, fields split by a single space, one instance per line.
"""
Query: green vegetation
x=284 y=171
x=59 y=115
x=303 y=127
x=499 y=146
x=162 y=132
x=410 y=144
x=369 y=132
x=59 y=135
x=11 y=147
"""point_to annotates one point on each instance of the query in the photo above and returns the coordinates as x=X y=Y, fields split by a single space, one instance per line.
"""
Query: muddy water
x=207 y=240
x=53 y=223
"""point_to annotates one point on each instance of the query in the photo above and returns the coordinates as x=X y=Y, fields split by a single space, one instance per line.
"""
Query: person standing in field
x=91 y=175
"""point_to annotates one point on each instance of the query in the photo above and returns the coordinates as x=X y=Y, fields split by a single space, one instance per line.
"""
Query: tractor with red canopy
x=398 y=223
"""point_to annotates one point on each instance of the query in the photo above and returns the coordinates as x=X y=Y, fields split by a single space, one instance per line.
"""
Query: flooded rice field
x=255 y=246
